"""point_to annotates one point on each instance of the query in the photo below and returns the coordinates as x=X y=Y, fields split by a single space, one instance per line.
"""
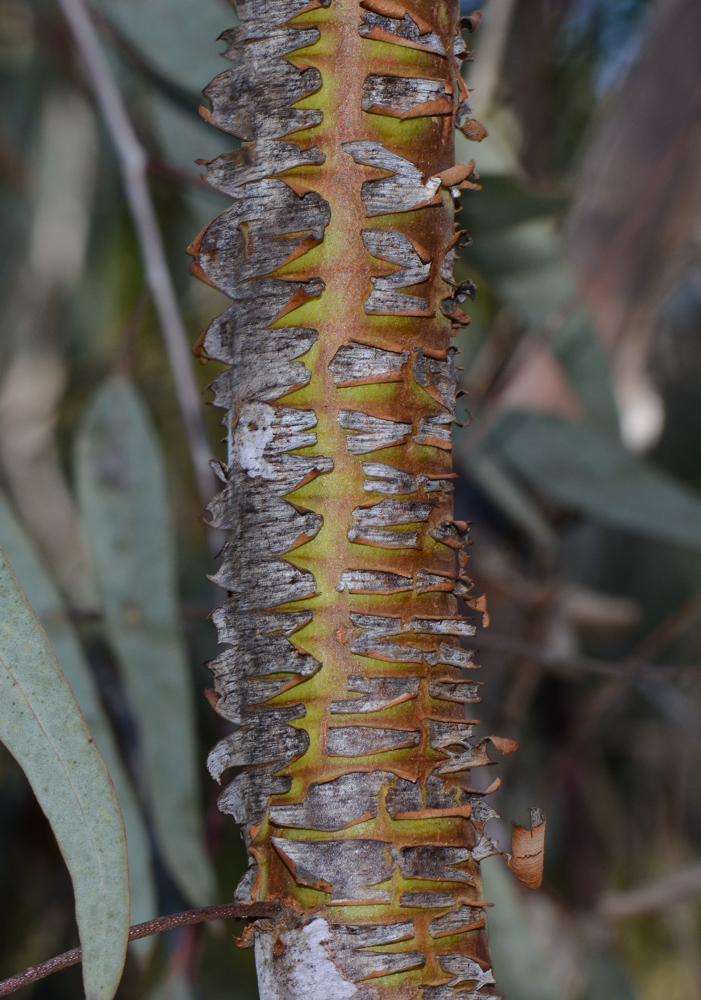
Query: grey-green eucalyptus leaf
x=42 y=727
x=521 y=964
x=169 y=37
x=508 y=495
x=123 y=496
x=47 y=603
x=590 y=471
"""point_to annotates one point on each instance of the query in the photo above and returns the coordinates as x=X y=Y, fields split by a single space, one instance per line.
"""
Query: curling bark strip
x=343 y=667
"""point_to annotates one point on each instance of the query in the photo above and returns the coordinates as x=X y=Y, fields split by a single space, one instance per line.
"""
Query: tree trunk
x=343 y=672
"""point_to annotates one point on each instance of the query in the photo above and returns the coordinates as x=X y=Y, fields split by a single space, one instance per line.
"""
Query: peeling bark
x=343 y=640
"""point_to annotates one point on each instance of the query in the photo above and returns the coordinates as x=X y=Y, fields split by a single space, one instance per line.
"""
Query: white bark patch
x=442 y=626
x=427 y=582
x=460 y=919
x=265 y=158
x=348 y=869
x=254 y=99
x=379 y=693
x=363 y=741
x=355 y=364
x=446 y=266
x=373 y=581
x=485 y=848
x=456 y=657
x=350 y=944
x=264 y=739
x=427 y=900
x=408 y=797
x=262 y=439
x=438 y=377
x=434 y=863
x=370 y=433
x=262 y=362
x=436 y=431
x=336 y=804
x=405 y=96
x=403 y=192
x=482 y=811
x=466 y=969
x=400 y=31
x=475 y=756
x=373 y=525
x=386 y=300
x=466 y=692
x=384 y=539
x=267 y=224
x=449 y=533
x=264 y=584
x=302 y=968
x=446 y=734
x=387 y=513
x=246 y=797
x=373 y=641
x=388 y=479
x=257 y=304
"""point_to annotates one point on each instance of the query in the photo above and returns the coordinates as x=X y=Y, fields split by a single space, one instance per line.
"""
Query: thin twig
x=134 y=164
x=225 y=911
x=627 y=669
x=659 y=894
x=485 y=73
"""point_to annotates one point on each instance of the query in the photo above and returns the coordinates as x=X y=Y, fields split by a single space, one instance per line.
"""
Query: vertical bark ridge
x=343 y=668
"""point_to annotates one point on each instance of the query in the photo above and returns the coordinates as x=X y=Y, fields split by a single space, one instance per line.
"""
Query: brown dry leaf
x=472 y=22
x=504 y=744
x=457 y=174
x=528 y=850
x=474 y=130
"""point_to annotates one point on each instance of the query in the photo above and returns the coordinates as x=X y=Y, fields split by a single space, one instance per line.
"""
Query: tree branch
x=134 y=164
x=659 y=894
x=633 y=669
x=225 y=911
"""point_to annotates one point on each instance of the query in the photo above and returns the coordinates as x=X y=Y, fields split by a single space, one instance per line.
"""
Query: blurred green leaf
x=503 y=202
x=123 y=495
x=174 y=986
x=521 y=967
x=41 y=725
x=580 y=353
x=524 y=264
x=583 y=468
x=608 y=981
x=179 y=45
x=48 y=605
x=508 y=495
x=517 y=248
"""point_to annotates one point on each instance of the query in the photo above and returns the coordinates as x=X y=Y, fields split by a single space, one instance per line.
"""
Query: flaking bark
x=342 y=672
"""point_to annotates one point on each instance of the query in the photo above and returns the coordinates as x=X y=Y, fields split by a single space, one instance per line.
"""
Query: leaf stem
x=134 y=164
x=223 y=911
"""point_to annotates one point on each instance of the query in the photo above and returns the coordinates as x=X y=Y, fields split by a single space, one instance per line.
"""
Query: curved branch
x=224 y=911
x=134 y=165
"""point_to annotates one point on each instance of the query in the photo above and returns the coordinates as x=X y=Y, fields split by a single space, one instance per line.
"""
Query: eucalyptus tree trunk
x=343 y=667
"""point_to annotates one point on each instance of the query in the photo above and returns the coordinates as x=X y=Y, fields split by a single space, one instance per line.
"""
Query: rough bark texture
x=343 y=669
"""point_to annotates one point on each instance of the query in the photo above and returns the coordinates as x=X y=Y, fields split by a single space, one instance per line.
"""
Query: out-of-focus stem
x=134 y=163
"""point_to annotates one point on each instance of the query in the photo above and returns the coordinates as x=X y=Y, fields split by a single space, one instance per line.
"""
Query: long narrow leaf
x=124 y=501
x=46 y=601
x=41 y=725
x=589 y=471
x=520 y=961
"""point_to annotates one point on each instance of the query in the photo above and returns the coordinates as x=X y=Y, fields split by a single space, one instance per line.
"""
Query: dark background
x=581 y=469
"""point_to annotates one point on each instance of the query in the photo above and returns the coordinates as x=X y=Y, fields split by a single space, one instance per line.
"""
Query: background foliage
x=581 y=472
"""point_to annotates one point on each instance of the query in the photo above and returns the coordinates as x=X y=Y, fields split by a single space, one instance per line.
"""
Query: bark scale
x=343 y=667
